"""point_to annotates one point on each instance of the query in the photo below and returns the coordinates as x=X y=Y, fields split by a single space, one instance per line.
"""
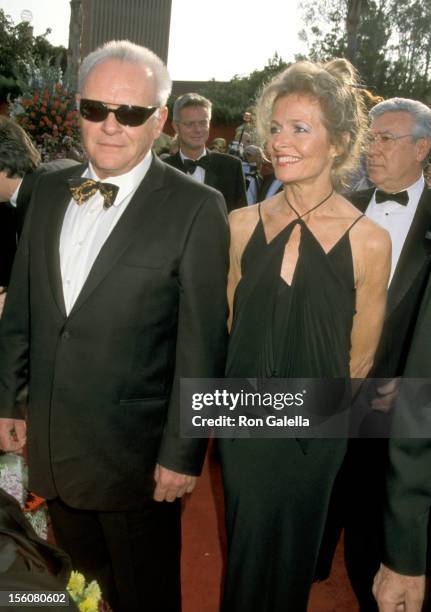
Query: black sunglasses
x=96 y=111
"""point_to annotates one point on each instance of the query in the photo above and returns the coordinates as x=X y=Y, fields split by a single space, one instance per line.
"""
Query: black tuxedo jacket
x=409 y=479
x=7 y=241
x=12 y=219
x=406 y=289
x=28 y=184
x=224 y=174
x=104 y=402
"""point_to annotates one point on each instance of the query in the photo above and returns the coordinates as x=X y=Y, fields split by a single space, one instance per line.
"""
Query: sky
x=209 y=39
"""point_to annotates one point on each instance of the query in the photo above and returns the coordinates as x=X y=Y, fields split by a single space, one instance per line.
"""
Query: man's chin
x=374 y=175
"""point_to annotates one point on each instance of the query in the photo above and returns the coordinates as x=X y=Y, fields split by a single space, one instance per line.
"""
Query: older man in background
x=400 y=142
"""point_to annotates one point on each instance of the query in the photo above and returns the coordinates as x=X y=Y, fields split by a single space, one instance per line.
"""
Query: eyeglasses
x=384 y=140
x=191 y=124
x=96 y=111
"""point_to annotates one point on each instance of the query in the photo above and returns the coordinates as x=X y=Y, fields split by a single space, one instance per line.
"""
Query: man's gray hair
x=126 y=51
x=419 y=112
x=190 y=99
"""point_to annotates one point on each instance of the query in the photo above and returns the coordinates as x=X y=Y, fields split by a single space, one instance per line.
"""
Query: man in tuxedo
x=18 y=157
x=191 y=122
x=401 y=577
x=20 y=168
x=399 y=144
x=118 y=292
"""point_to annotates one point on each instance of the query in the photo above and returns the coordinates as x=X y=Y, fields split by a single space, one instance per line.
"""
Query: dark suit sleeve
x=202 y=331
x=409 y=476
x=7 y=241
x=408 y=506
x=14 y=332
x=241 y=195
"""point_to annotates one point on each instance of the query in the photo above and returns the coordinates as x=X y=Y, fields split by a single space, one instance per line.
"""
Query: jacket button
x=65 y=335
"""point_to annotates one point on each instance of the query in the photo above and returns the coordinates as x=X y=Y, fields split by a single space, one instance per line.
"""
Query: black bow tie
x=83 y=188
x=190 y=165
x=402 y=197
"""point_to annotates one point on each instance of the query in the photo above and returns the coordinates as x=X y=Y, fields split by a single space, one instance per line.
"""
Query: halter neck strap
x=310 y=209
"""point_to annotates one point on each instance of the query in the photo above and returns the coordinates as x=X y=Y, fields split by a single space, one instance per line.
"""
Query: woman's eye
x=299 y=129
x=274 y=129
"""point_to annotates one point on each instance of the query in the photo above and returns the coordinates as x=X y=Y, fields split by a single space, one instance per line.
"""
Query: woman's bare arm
x=371 y=247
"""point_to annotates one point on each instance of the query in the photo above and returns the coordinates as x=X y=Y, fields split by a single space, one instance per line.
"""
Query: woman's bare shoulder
x=374 y=238
x=241 y=220
x=367 y=232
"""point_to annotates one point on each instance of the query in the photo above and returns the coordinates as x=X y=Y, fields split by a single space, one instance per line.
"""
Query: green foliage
x=18 y=49
x=232 y=98
x=393 y=53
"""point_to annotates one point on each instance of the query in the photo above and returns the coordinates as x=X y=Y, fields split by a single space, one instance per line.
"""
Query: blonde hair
x=334 y=86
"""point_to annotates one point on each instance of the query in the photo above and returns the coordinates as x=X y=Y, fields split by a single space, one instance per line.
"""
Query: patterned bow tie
x=190 y=165
x=83 y=188
x=402 y=197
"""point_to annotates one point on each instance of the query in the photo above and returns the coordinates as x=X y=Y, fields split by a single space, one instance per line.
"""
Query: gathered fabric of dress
x=277 y=490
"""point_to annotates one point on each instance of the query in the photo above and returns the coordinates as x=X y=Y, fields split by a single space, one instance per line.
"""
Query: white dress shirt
x=13 y=200
x=396 y=218
x=199 y=173
x=86 y=228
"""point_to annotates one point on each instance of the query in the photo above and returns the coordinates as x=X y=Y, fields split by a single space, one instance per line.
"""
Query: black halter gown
x=277 y=490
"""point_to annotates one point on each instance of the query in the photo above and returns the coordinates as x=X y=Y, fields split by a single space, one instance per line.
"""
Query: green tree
x=389 y=42
x=18 y=47
x=230 y=99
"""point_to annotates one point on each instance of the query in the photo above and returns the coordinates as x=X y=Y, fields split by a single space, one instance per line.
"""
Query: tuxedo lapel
x=361 y=199
x=143 y=207
x=416 y=250
x=177 y=162
x=60 y=197
x=211 y=177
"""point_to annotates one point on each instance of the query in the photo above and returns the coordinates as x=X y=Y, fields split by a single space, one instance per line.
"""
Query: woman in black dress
x=307 y=291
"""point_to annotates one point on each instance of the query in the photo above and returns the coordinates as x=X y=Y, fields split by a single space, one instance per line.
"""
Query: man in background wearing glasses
x=118 y=292
x=400 y=141
x=191 y=122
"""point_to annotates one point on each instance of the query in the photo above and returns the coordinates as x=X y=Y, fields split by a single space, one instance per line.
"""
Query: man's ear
x=162 y=115
x=423 y=146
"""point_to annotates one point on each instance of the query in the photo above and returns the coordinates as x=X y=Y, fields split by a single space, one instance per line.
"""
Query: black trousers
x=134 y=556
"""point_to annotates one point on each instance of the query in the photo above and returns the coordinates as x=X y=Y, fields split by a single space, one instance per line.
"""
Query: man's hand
x=387 y=395
x=397 y=593
x=13 y=434
x=170 y=485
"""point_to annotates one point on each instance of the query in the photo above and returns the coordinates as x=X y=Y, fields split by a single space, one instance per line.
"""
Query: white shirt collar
x=415 y=190
x=127 y=182
x=183 y=157
x=414 y=193
x=14 y=197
